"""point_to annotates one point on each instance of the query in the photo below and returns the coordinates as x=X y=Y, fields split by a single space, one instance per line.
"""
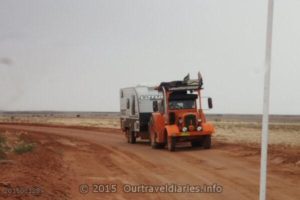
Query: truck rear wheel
x=154 y=144
x=207 y=142
x=171 y=143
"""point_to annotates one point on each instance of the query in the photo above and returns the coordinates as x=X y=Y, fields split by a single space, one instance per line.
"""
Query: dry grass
x=287 y=134
x=109 y=122
x=242 y=132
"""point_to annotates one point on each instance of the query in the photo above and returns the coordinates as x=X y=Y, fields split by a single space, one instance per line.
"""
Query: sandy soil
x=66 y=158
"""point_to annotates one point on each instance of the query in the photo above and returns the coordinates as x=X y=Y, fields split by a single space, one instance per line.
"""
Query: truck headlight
x=184 y=129
x=199 y=128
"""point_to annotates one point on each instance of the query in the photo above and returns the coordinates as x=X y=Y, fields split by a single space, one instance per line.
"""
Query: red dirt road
x=103 y=157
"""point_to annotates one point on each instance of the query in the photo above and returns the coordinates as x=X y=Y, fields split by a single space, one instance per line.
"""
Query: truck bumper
x=189 y=136
x=175 y=132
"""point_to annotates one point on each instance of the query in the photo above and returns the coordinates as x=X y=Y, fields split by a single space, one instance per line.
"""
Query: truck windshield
x=182 y=104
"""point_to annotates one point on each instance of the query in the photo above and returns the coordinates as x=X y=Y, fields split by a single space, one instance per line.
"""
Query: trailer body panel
x=136 y=107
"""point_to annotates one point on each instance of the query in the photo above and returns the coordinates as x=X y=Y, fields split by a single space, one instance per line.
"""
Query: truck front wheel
x=207 y=142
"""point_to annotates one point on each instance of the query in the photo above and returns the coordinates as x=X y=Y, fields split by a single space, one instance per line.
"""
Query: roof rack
x=186 y=84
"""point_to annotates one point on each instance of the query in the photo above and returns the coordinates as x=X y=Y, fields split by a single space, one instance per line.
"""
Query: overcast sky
x=75 y=55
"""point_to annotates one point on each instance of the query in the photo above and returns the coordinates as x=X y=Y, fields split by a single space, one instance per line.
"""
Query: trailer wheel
x=131 y=137
x=127 y=133
x=207 y=142
x=171 y=141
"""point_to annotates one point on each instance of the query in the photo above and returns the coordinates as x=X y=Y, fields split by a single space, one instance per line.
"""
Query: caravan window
x=133 y=105
x=127 y=103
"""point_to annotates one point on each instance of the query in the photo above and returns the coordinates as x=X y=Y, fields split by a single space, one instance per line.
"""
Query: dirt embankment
x=39 y=173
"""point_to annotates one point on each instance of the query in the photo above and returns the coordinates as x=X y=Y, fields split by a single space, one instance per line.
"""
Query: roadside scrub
x=2 y=147
x=10 y=143
x=23 y=147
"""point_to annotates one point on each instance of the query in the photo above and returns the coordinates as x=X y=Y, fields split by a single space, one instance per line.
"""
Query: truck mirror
x=210 y=103
x=155 y=106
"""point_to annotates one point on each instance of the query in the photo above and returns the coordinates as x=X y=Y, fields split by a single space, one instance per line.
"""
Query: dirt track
x=109 y=159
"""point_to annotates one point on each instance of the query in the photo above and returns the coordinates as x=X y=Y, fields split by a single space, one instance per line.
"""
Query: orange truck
x=167 y=114
x=179 y=115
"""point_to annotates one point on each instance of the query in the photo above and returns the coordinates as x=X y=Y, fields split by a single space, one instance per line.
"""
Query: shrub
x=2 y=140
x=2 y=147
x=2 y=154
x=23 y=148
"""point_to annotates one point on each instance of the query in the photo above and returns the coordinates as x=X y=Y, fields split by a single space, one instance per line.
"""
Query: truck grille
x=190 y=120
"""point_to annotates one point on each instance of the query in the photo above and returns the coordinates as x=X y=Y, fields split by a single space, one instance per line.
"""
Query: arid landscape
x=149 y=100
x=50 y=156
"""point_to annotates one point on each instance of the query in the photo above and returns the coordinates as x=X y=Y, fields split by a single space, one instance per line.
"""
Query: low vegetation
x=2 y=147
x=11 y=143
x=23 y=147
